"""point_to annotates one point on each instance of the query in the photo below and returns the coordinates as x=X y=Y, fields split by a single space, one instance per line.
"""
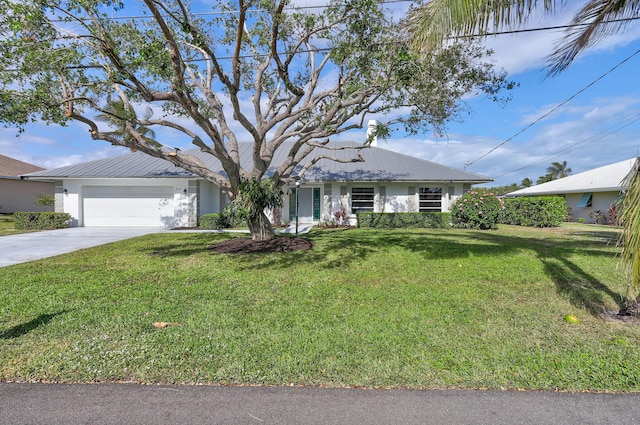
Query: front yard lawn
x=370 y=308
x=7 y=226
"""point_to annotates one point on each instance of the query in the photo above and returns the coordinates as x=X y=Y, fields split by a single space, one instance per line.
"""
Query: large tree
x=249 y=70
x=433 y=23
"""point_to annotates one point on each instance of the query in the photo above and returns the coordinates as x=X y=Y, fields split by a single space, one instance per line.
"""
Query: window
x=586 y=200
x=362 y=199
x=430 y=199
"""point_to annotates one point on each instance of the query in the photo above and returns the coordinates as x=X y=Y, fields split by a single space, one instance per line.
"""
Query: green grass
x=371 y=308
x=7 y=226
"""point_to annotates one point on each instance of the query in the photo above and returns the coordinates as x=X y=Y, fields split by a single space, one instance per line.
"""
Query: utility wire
x=228 y=12
x=319 y=50
x=467 y=164
x=555 y=27
x=585 y=142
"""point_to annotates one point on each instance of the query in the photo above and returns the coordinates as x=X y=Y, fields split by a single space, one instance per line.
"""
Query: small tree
x=254 y=197
x=281 y=78
x=46 y=200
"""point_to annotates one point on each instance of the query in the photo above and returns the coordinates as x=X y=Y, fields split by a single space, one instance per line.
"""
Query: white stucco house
x=593 y=190
x=139 y=190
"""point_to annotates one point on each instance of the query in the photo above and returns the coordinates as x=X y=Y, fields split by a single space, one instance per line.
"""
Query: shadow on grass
x=342 y=247
x=582 y=289
x=191 y=244
x=25 y=328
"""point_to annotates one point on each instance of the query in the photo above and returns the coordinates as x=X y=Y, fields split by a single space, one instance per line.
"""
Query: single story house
x=139 y=190
x=17 y=194
x=587 y=192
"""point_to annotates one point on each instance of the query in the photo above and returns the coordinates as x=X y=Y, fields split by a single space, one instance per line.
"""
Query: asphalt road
x=99 y=404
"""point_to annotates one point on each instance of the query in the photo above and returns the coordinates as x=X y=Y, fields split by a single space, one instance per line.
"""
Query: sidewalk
x=100 y=404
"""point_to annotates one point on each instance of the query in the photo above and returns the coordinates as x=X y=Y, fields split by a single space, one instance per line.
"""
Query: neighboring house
x=587 y=192
x=139 y=190
x=17 y=194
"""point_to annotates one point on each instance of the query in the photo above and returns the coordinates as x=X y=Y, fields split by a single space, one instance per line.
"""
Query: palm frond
x=596 y=15
x=630 y=218
x=431 y=24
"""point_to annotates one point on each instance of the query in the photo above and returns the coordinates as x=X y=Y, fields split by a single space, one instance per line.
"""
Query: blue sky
x=598 y=127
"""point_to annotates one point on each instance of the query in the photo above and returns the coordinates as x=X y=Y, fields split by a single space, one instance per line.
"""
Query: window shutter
x=585 y=201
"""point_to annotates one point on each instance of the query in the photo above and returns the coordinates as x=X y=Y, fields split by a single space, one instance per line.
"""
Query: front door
x=305 y=204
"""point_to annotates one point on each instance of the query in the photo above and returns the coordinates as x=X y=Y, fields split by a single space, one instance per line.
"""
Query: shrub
x=404 y=220
x=214 y=221
x=46 y=200
x=613 y=214
x=41 y=220
x=597 y=216
x=477 y=210
x=341 y=216
x=535 y=211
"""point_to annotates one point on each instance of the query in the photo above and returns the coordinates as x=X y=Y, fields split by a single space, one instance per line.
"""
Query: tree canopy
x=258 y=71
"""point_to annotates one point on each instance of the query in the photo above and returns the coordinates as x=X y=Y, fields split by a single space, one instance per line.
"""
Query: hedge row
x=41 y=220
x=535 y=211
x=539 y=211
x=427 y=220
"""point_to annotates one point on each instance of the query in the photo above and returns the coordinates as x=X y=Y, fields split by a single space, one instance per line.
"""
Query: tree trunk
x=261 y=228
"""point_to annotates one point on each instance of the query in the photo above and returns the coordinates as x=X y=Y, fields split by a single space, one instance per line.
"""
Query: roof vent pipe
x=371 y=133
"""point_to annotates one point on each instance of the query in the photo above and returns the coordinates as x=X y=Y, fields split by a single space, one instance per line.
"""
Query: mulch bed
x=249 y=246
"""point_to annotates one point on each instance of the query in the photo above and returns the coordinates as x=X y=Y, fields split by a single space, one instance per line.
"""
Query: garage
x=135 y=206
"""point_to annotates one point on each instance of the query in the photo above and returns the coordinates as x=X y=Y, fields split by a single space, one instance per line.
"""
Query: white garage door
x=135 y=206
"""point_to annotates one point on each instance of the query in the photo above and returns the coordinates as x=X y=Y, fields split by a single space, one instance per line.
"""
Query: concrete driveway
x=15 y=249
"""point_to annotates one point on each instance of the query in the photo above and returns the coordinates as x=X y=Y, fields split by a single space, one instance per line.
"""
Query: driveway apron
x=15 y=249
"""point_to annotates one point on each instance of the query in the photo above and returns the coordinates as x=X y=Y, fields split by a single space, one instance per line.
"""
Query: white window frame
x=362 y=199
x=430 y=199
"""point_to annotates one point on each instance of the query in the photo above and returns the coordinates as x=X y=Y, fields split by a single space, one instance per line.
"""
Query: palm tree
x=436 y=20
x=544 y=179
x=558 y=170
x=117 y=114
x=431 y=24
x=526 y=182
x=629 y=218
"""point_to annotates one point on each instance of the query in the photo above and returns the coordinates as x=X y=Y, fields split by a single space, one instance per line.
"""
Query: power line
x=549 y=28
x=585 y=142
x=467 y=164
x=227 y=12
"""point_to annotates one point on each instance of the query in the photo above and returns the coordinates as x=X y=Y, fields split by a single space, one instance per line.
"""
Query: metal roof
x=609 y=178
x=379 y=165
